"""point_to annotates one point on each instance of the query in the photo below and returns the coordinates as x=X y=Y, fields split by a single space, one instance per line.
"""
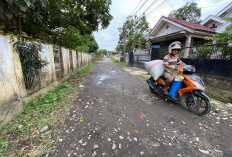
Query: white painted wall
x=65 y=53
x=210 y=24
x=221 y=26
x=224 y=27
x=74 y=59
x=12 y=85
x=46 y=55
x=8 y=83
x=229 y=14
x=11 y=77
x=165 y=31
x=79 y=59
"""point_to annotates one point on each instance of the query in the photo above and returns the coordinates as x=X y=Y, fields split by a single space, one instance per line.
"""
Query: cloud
x=120 y=9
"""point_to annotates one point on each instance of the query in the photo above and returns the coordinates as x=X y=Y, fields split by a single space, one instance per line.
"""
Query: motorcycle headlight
x=200 y=86
x=198 y=82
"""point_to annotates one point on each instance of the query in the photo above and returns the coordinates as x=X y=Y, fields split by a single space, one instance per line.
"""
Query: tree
x=136 y=40
x=15 y=15
x=189 y=12
x=84 y=43
x=68 y=23
x=113 y=52
x=133 y=25
x=102 y=51
x=91 y=42
x=85 y=15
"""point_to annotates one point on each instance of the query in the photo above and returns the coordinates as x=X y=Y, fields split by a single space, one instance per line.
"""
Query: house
x=169 y=29
x=217 y=21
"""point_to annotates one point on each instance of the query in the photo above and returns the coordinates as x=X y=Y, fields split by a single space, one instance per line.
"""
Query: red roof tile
x=191 y=25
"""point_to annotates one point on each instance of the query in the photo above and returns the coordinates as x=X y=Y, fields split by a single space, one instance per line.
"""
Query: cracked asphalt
x=114 y=114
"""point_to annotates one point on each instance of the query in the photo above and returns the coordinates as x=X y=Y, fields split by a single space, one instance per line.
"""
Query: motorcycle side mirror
x=193 y=67
x=189 y=68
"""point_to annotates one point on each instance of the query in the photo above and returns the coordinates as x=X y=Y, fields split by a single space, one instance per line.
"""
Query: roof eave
x=204 y=32
x=197 y=33
x=169 y=21
x=157 y=39
x=224 y=10
x=156 y=25
x=213 y=18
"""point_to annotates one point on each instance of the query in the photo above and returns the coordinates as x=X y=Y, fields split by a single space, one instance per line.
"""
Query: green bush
x=203 y=52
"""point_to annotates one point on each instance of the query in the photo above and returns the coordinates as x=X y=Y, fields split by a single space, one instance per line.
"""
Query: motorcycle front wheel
x=200 y=107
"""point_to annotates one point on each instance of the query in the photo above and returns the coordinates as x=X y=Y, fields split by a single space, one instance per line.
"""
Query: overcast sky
x=120 y=9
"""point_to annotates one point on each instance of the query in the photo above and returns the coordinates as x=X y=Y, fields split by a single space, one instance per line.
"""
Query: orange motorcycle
x=187 y=89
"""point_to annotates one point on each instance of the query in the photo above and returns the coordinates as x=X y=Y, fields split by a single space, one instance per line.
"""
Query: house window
x=213 y=26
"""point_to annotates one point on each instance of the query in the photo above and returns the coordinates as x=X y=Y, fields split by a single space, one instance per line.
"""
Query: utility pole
x=124 y=41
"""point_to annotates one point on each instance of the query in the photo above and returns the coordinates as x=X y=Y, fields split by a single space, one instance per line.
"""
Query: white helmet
x=175 y=45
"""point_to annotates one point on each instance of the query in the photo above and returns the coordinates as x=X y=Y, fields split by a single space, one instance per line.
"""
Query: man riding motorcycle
x=187 y=89
x=171 y=62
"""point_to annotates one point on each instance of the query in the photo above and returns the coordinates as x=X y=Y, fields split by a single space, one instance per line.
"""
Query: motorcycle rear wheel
x=202 y=106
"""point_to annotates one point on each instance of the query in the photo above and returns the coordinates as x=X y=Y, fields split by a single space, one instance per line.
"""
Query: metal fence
x=213 y=67
x=141 y=55
x=209 y=59
x=209 y=50
x=137 y=57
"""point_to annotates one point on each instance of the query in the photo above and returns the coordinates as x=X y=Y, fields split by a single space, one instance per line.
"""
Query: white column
x=187 y=44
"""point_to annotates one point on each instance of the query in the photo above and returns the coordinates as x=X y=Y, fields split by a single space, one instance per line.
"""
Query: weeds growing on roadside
x=124 y=64
x=23 y=137
x=144 y=77
x=213 y=106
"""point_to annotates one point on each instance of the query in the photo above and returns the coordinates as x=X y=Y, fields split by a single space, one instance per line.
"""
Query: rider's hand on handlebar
x=179 y=69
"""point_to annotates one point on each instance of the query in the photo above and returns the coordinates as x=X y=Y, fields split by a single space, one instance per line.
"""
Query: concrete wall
x=218 y=88
x=11 y=77
x=84 y=58
x=48 y=72
x=117 y=56
x=74 y=54
x=79 y=59
x=12 y=86
x=65 y=55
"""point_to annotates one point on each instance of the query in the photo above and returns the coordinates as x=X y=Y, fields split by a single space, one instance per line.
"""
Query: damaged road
x=114 y=114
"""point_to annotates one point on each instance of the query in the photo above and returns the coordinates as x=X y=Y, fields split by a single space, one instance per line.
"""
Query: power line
x=201 y=8
x=136 y=7
x=215 y=5
x=156 y=7
x=141 y=7
x=157 y=16
x=150 y=6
